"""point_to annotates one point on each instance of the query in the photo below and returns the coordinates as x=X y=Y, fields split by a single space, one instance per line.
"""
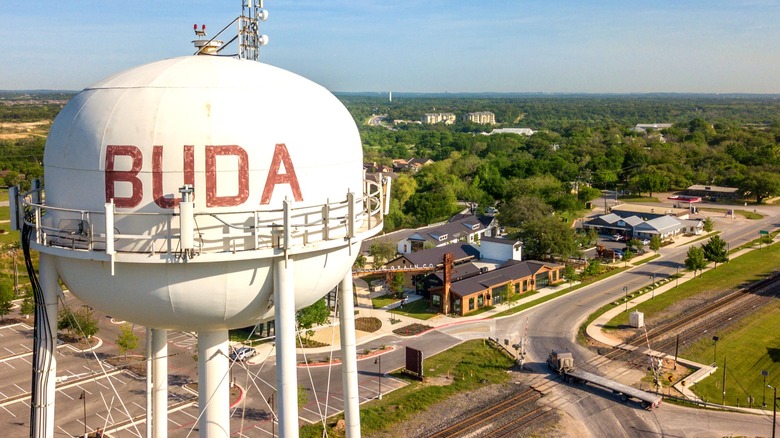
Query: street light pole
x=715 y=349
x=652 y=278
x=774 y=411
x=677 y=277
x=625 y=292
x=378 y=361
x=83 y=396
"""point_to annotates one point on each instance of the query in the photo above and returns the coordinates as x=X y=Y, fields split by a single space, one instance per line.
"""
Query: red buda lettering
x=130 y=176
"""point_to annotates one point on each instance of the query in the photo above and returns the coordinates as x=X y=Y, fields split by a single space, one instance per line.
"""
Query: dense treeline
x=584 y=144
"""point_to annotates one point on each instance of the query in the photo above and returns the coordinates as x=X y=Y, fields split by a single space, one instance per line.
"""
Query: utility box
x=637 y=319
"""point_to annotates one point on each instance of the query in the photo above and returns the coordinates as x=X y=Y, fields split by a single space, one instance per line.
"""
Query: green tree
x=397 y=284
x=709 y=224
x=655 y=242
x=715 y=250
x=360 y=262
x=760 y=184
x=509 y=295
x=6 y=299
x=570 y=274
x=308 y=317
x=593 y=269
x=627 y=256
x=381 y=251
x=548 y=237
x=695 y=260
x=81 y=322
x=28 y=305
x=127 y=340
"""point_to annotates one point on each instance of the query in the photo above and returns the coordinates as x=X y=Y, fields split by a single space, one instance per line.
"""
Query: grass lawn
x=415 y=309
x=467 y=364
x=745 y=269
x=638 y=198
x=745 y=213
x=750 y=346
x=383 y=301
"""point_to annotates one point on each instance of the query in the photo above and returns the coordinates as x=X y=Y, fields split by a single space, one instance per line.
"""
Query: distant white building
x=433 y=118
x=643 y=127
x=481 y=117
x=518 y=131
x=496 y=248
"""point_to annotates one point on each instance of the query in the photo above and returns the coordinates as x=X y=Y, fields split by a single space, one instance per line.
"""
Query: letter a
x=274 y=177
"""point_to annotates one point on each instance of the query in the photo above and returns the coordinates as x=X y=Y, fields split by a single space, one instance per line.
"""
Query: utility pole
x=676 y=349
x=763 y=400
x=723 y=402
x=378 y=360
x=83 y=396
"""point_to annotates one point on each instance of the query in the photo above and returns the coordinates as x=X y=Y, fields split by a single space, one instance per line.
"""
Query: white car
x=646 y=242
x=242 y=353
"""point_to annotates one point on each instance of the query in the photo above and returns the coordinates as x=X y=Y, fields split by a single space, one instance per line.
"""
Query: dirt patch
x=78 y=341
x=133 y=363
x=13 y=131
x=368 y=324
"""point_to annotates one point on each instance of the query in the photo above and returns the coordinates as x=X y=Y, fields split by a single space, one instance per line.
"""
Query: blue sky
x=419 y=46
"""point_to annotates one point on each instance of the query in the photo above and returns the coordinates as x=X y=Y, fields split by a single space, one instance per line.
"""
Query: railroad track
x=693 y=325
x=512 y=428
x=491 y=414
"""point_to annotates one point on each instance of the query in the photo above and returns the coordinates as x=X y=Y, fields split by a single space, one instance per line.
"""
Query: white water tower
x=205 y=193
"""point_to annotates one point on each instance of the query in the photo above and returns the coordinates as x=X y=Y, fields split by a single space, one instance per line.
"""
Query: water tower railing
x=328 y=224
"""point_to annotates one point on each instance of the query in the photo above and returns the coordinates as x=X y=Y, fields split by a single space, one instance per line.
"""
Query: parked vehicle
x=242 y=353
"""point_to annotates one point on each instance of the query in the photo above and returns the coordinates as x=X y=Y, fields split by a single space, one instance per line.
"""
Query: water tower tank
x=274 y=162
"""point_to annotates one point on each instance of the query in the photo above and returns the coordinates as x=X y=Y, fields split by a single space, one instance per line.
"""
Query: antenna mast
x=249 y=38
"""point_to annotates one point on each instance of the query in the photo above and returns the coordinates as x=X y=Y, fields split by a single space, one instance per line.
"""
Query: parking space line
x=170 y=420
x=20 y=388
x=12 y=367
x=66 y=395
x=64 y=431
x=25 y=347
x=6 y=409
x=194 y=417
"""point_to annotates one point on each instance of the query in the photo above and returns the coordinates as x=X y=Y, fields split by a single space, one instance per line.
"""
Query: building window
x=525 y=285
x=471 y=303
x=480 y=301
x=542 y=280
x=498 y=295
x=456 y=306
x=436 y=301
x=517 y=288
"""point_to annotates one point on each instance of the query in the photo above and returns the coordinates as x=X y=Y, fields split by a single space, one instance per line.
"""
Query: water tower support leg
x=286 y=367
x=45 y=367
x=149 y=384
x=160 y=383
x=349 y=356
x=213 y=384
